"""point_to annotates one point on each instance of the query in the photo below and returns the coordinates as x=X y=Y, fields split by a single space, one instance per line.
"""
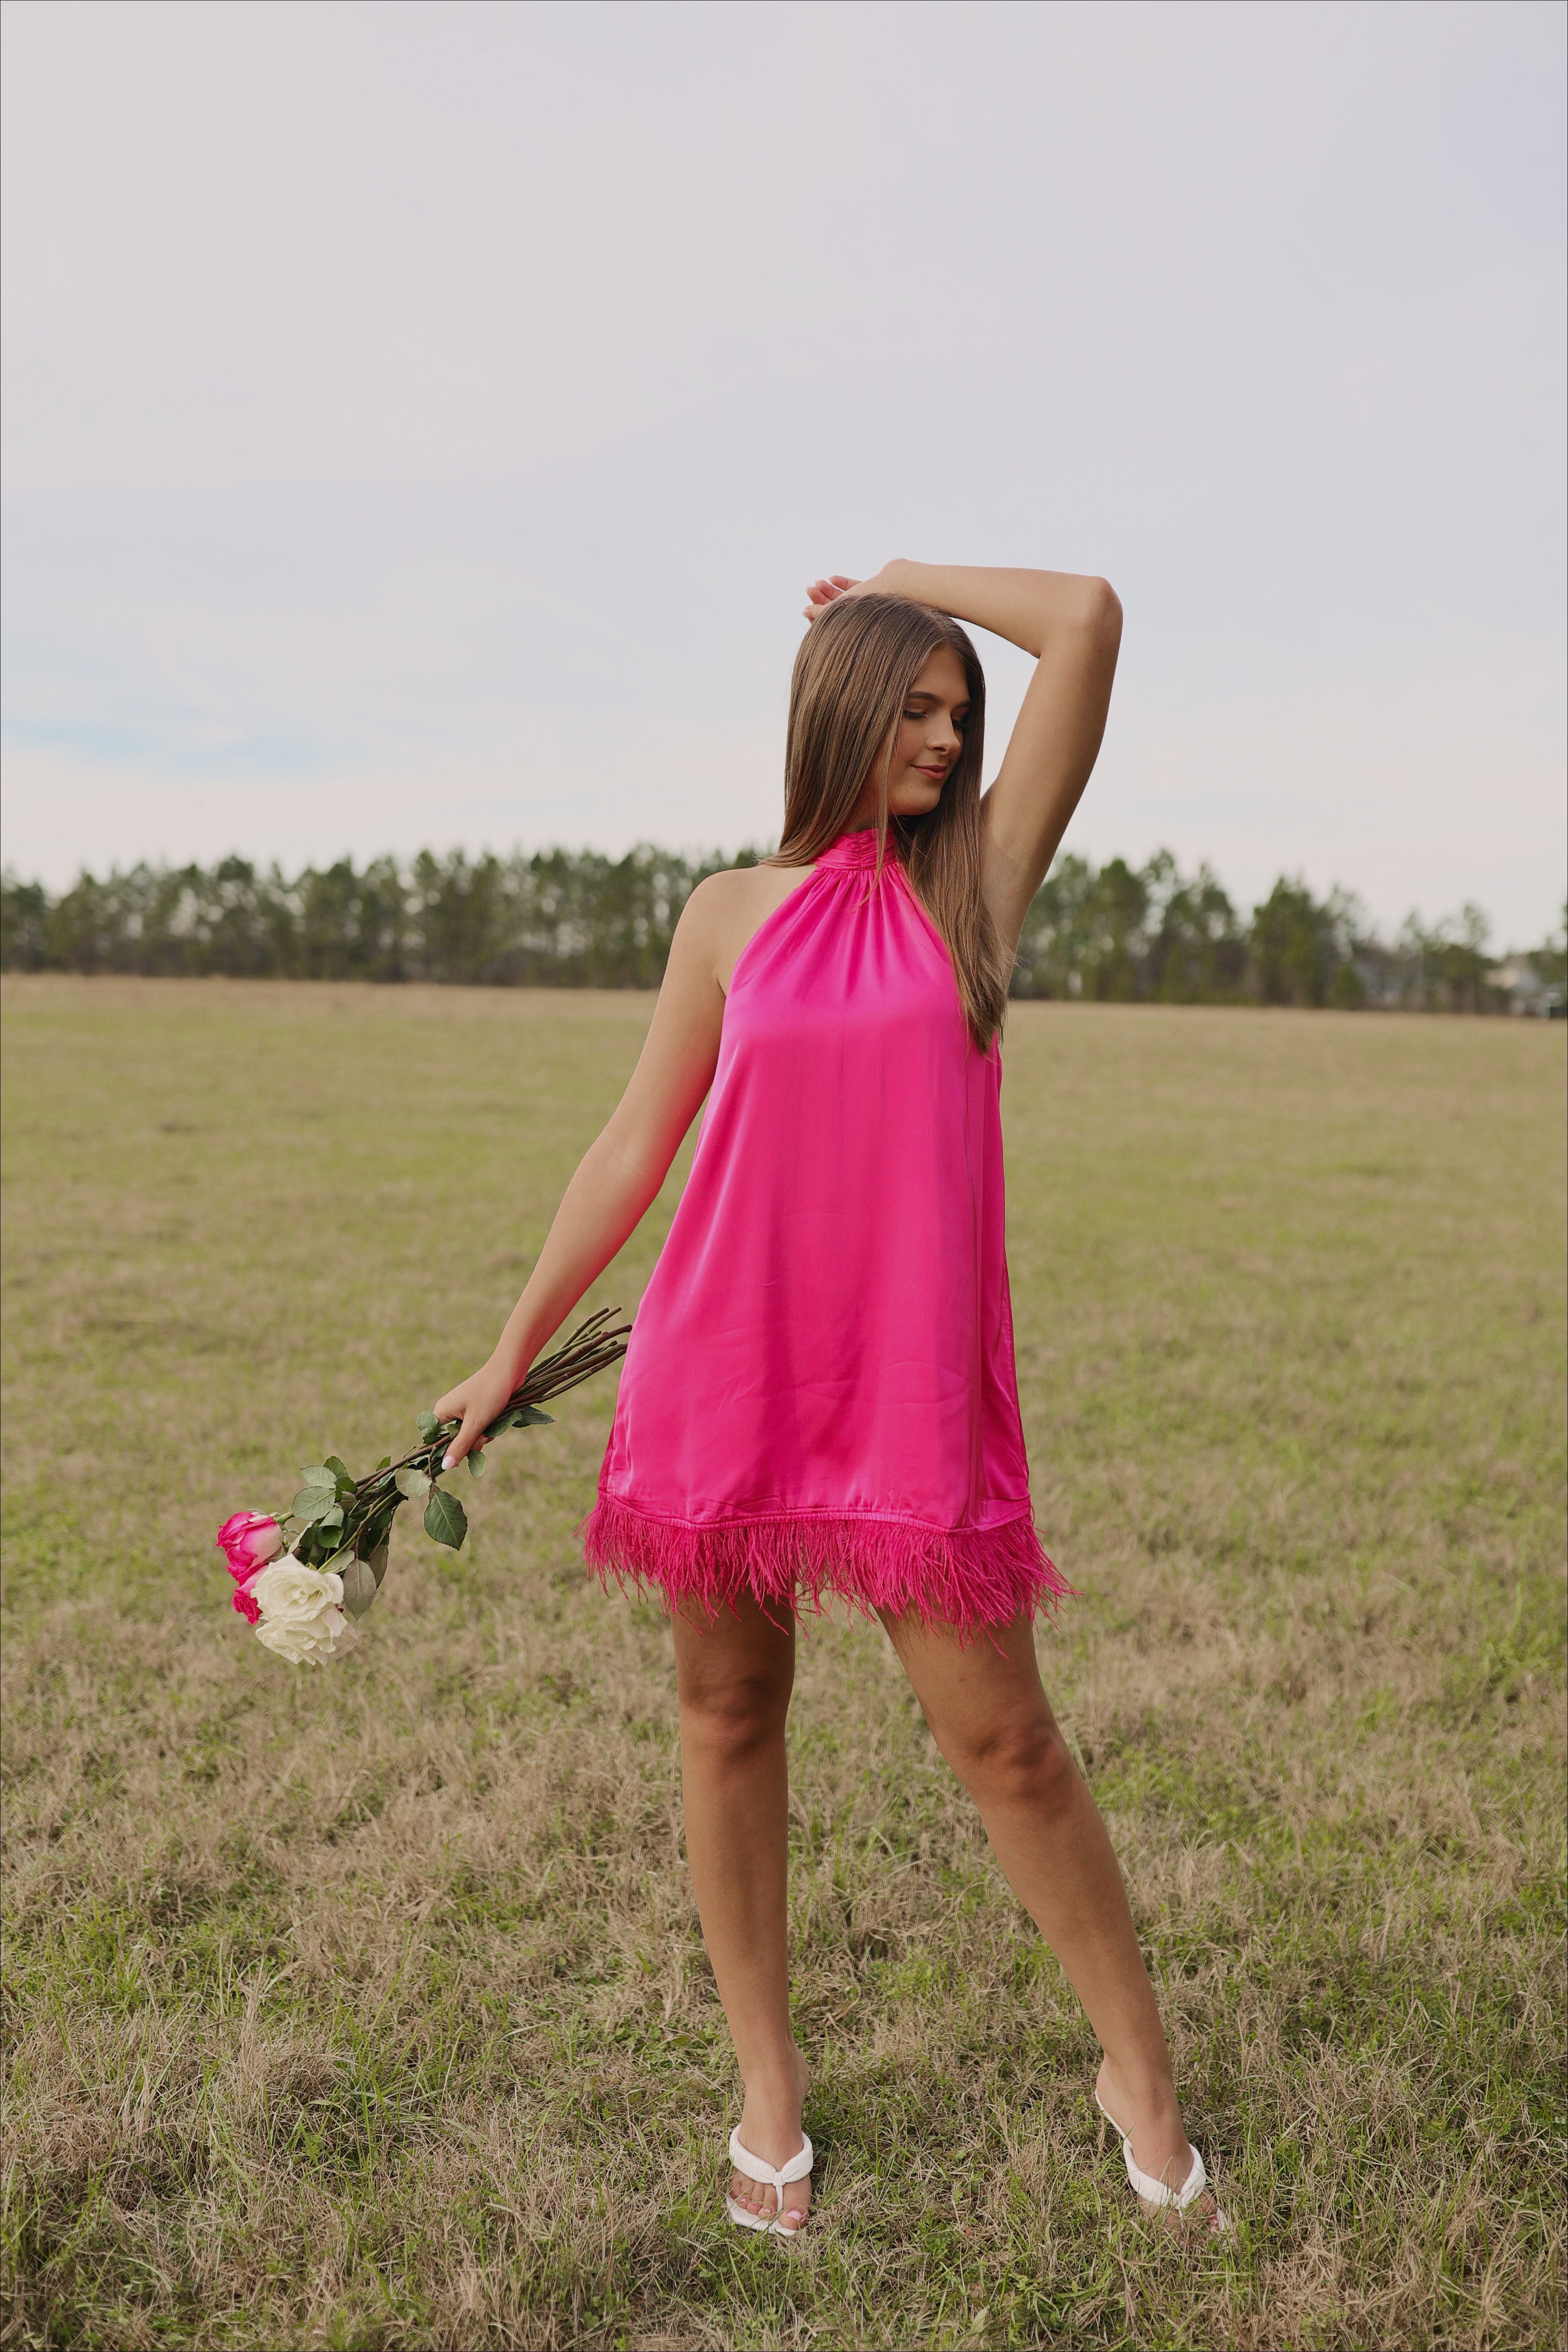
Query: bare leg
x=734 y=1676
x=991 y=1720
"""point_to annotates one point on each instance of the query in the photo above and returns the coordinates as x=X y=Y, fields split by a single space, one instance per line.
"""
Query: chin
x=911 y=802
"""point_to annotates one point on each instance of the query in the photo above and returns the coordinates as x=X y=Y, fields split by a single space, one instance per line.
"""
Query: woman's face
x=929 y=741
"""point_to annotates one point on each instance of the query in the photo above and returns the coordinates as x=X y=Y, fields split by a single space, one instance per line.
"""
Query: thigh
x=743 y=1649
x=979 y=1684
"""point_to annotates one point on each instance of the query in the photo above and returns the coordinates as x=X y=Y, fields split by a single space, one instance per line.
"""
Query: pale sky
x=421 y=421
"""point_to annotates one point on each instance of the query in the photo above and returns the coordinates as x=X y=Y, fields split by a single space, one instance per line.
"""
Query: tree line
x=577 y=919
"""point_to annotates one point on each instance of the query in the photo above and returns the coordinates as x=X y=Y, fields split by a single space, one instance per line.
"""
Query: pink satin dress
x=819 y=1394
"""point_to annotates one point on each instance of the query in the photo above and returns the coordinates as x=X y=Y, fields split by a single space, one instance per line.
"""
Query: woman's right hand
x=823 y=592
x=475 y=1401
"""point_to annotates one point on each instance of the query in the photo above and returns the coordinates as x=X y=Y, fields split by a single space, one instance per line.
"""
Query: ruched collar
x=857 y=849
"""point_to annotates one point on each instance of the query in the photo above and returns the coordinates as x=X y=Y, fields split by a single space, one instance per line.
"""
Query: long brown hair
x=852 y=675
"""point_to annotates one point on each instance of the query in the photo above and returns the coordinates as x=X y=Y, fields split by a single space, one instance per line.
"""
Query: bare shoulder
x=725 y=910
x=717 y=894
x=717 y=903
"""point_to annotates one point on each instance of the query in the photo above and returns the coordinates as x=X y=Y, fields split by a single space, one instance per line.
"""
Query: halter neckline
x=857 y=849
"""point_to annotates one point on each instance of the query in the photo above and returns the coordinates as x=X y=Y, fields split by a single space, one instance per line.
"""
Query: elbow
x=634 y=1156
x=1089 y=613
x=1102 y=610
x=636 y=1149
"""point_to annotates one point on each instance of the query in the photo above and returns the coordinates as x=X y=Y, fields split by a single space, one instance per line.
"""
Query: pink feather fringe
x=967 y=1577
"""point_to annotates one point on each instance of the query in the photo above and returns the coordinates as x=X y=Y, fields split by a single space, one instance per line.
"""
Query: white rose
x=310 y=1644
x=302 y=1616
x=294 y=1594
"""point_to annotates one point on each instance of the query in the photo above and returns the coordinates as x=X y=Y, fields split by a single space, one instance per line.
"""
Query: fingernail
x=448 y=1461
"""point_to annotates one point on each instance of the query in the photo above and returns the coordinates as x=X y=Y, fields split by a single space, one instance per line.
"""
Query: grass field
x=367 y=2009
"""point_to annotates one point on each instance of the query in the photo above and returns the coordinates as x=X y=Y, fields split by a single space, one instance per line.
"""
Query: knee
x=732 y=1716
x=1020 y=1762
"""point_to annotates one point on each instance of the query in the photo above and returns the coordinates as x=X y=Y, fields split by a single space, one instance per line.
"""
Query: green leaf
x=360 y=1586
x=410 y=1483
x=373 y=1543
x=517 y=1416
x=427 y=1424
x=314 y=1503
x=361 y=1577
x=338 y=1469
x=320 y=1476
x=446 y=1521
x=385 y=1464
x=476 y=1462
x=321 y=1546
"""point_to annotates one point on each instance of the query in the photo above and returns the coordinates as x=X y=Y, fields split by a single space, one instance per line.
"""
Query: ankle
x=1146 y=2093
x=776 y=2083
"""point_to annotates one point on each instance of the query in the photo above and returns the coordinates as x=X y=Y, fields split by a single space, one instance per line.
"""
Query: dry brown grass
x=369 y=2009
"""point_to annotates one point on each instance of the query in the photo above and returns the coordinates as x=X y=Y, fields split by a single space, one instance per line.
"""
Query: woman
x=819 y=1393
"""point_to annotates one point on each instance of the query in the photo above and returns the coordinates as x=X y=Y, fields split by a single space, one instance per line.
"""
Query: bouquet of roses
x=296 y=1572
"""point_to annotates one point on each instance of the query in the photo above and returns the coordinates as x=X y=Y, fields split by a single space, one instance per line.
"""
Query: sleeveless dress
x=819 y=1391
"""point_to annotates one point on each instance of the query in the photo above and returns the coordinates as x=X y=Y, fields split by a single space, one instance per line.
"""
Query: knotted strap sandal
x=780 y=2177
x=1155 y=2193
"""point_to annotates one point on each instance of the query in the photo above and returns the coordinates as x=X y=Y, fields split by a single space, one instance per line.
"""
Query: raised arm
x=1072 y=626
x=620 y=1172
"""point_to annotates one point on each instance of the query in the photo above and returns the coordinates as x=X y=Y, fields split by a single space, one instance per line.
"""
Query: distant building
x=1525 y=990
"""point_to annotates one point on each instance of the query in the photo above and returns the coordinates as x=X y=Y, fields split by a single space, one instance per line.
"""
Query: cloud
x=401 y=402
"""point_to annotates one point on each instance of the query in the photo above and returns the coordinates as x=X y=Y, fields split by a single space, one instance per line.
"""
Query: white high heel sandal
x=779 y=2176
x=1155 y=2193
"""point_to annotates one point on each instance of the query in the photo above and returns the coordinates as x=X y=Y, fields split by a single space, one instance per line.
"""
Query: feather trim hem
x=967 y=1577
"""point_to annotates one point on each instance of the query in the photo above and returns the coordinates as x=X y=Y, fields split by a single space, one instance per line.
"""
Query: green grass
x=368 y=2010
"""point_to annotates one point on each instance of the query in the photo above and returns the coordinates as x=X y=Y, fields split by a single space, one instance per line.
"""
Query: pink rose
x=248 y=1542
x=250 y=1609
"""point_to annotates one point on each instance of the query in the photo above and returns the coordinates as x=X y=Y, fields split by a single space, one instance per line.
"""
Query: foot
x=771 y=2128
x=1153 y=2124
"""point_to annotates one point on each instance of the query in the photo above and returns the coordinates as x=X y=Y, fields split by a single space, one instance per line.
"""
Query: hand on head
x=823 y=592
